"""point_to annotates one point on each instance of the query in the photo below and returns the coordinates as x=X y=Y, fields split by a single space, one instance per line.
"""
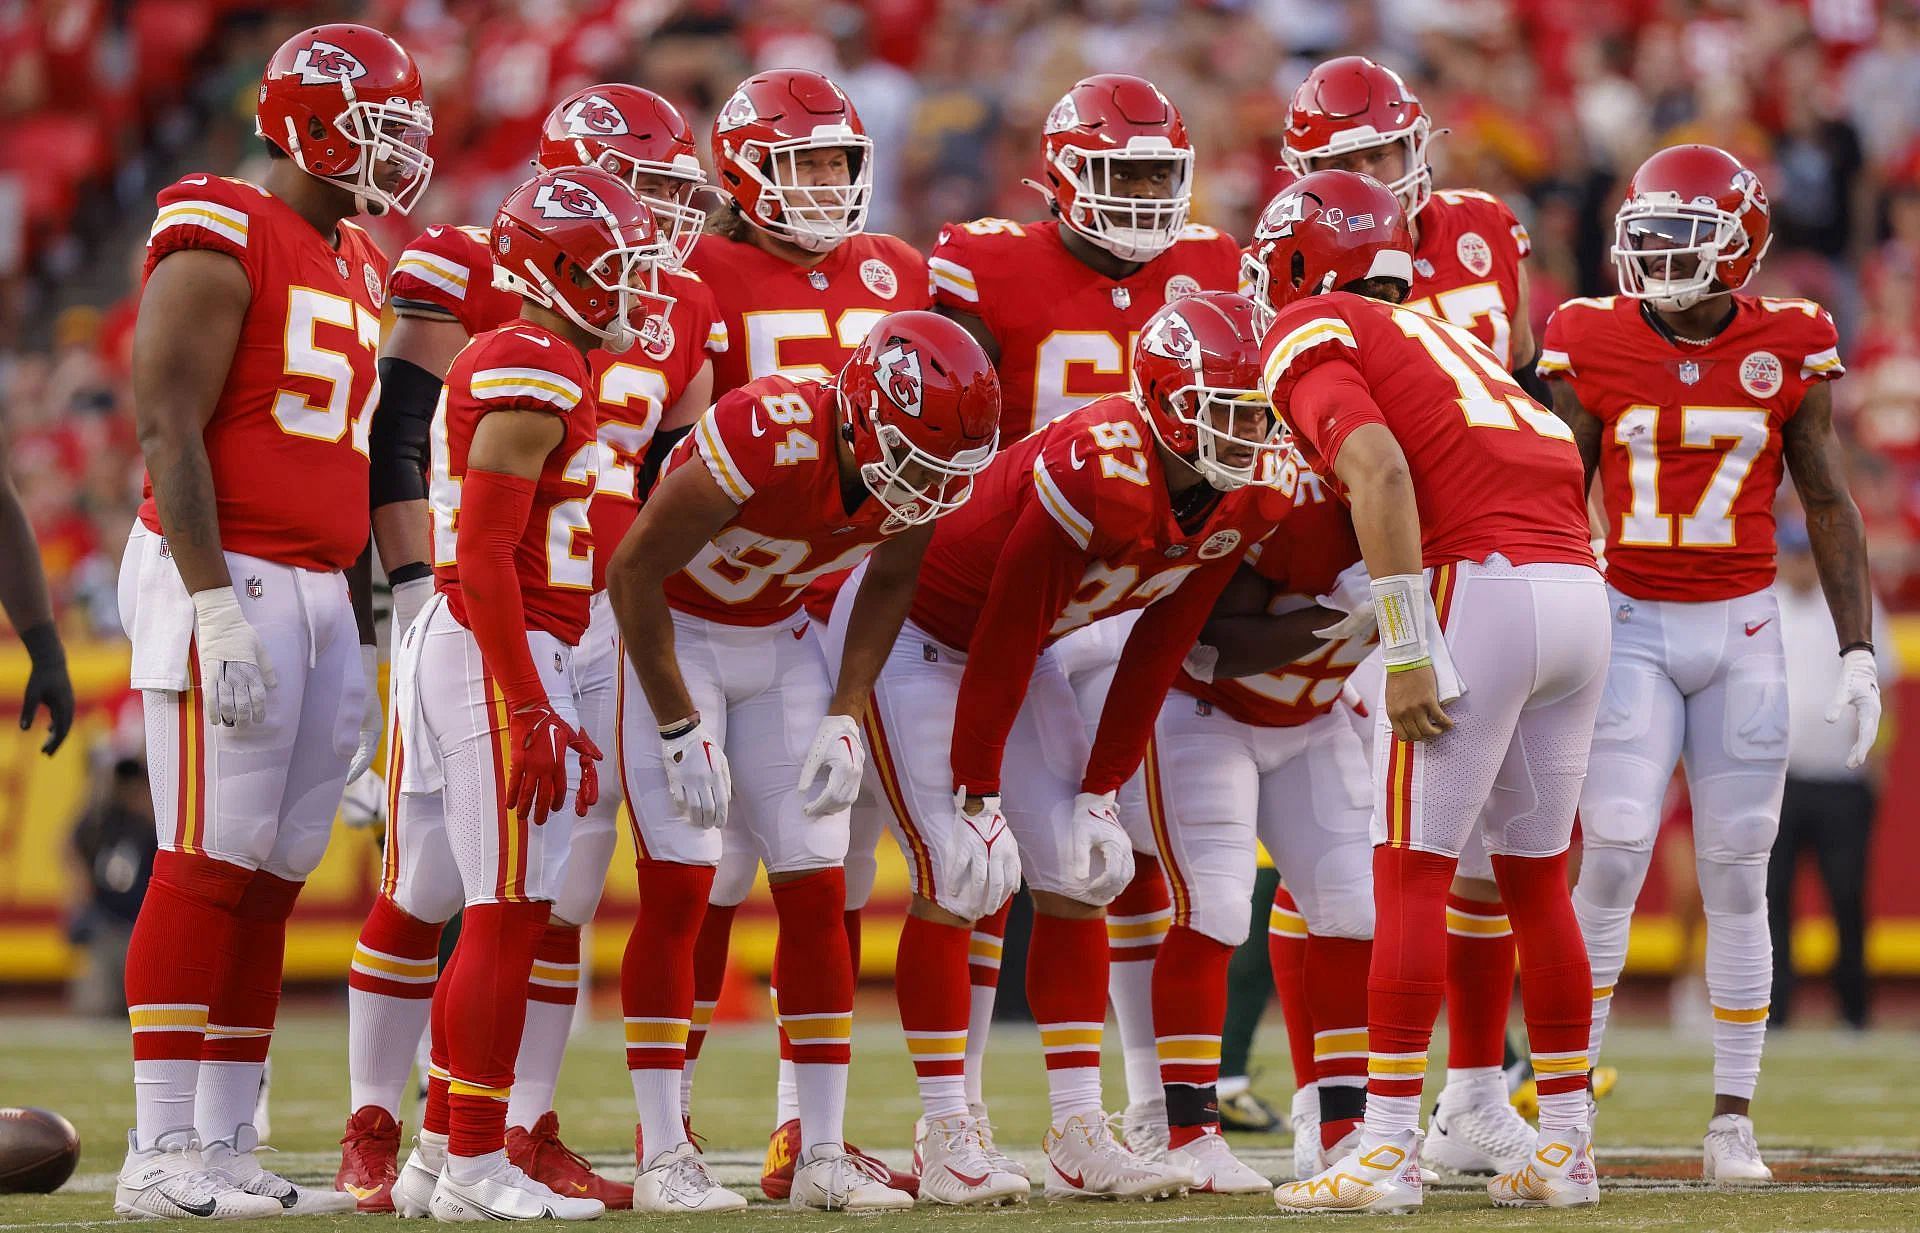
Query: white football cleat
x=677 y=1181
x=1478 y=1139
x=839 y=1181
x=954 y=1169
x=1213 y=1168
x=1379 y=1178
x=1305 y=1118
x=413 y=1189
x=1559 y=1173
x=1084 y=1161
x=1732 y=1156
x=506 y=1194
x=1143 y=1128
x=170 y=1183
x=238 y=1163
x=995 y=1157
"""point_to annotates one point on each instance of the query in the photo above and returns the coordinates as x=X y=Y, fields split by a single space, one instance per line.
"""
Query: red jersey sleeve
x=1306 y=338
x=1096 y=484
x=1038 y=573
x=761 y=436
x=1820 y=350
x=519 y=370
x=951 y=267
x=211 y=213
x=446 y=270
x=1561 y=340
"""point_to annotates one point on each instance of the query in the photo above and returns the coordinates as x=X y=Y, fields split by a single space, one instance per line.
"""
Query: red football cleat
x=369 y=1159
x=541 y=1156
x=776 y=1176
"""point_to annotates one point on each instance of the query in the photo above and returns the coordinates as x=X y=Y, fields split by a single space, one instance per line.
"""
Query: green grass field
x=1840 y=1127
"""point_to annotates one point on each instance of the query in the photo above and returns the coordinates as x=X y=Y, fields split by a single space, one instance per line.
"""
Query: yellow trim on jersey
x=1553 y=361
x=720 y=464
x=1078 y=527
x=449 y=276
x=1312 y=334
x=223 y=221
x=525 y=383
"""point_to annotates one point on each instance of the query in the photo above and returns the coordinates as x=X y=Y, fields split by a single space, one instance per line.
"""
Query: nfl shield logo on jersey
x=1121 y=297
x=255 y=588
x=817 y=280
x=1688 y=372
x=340 y=264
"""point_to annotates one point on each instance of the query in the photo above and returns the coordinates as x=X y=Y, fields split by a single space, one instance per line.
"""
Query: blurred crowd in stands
x=1549 y=103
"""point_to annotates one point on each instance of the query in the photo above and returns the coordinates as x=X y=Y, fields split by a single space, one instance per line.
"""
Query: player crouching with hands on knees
x=486 y=710
x=782 y=482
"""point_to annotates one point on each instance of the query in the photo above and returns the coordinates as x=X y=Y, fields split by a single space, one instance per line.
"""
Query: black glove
x=47 y=685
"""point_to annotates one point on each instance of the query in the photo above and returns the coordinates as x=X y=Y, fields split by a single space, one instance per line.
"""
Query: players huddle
x=783 y=535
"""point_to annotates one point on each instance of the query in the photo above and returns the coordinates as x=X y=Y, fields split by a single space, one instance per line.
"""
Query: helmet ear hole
x=1297 y=269
x=316 y=131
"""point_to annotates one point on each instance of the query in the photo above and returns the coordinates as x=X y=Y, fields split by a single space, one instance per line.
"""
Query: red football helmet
x=345 y=102
x=1196 y=374
x=632 y=133
x=1350 y=104
x=758 y=139
x=1322 y=232
x=581 y=242
x=921 y=407
x=1694 y=224
x=1103 y=123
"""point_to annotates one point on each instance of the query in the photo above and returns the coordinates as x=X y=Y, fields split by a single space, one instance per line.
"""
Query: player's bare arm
x=1248 y=640
x=1520 y=329
x=681 y=516
x=23 y=594
x=191 y=312
x=692 y=403
x=1387 y=523
x=879 y=609
x=1833 y=521
x=974 y=326
x=413 y=361
x=1585 y=424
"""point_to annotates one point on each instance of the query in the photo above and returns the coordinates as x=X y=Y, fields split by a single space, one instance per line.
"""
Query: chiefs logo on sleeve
x=565 y=199
x=322 y=62
x=594 y=116
x=901 y=365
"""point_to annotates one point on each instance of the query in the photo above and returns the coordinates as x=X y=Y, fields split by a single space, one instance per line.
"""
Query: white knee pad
x=1222 y=909
x=1611 y=875
x=734 y=878
x=1736 y=818
x=1340 y=904
x=867 y=824
x=580 y=890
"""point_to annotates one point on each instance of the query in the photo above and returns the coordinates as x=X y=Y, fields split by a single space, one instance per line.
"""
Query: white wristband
x=1402 y=607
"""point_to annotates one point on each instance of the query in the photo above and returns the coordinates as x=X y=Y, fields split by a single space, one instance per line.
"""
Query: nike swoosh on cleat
x=203 y=1209
x=1076 y=1180
x=973 y=1181
x=582 y=1187
x=360 y=1192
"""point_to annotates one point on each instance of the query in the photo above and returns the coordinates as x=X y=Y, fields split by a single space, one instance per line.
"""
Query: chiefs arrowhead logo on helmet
x=594 y=116
x=565 y=199
x=322 y=62
x=1063 y=116
x=899 y=368
x=1173 y=338
x=737 y=113
x=1281 y=216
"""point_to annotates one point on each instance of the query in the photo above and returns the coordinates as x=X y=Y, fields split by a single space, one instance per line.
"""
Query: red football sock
x=1337 y=1005
x=246 y=991
x=1189 y=1005
x=1287 y=952
x=396 y=954
x=485 y=1012
x=1556 y=982
x=1406 y=980
x=1139 y=915
x=657 y=973
x=1479 y=982
x=555 y=978
x=931 y=985
x=179 y=943
x=985 y=945
x=1067 y=990
x=709 y=970
x=850 y=920
x=434 y=1113
x=816 y=998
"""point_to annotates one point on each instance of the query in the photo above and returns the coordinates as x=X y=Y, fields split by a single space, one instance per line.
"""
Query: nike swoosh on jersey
x=536 y=340
x=194 y=180
x=753 y=418
x=1754 y=627
x=1073 y=455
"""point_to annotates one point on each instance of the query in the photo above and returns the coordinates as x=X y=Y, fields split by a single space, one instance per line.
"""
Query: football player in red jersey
x=1468 y=507
x=253 y=376
x=799 y=281
x=1134 y=500
x=1688 y=397
x=1057 y=305
x=486 y=705
x=1469 y=268
x=782 y=481
x=443 y=294
x=1250 y=745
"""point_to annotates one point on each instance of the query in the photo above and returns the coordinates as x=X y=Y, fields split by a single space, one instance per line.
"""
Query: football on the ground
x=38 y=1150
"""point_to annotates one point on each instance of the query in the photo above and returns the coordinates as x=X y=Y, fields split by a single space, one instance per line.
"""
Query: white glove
x=373 y=721
x=698 y=778
x=1859 y=689
x=364 y=807
x=1351 y=593
x=837 y=751
x=408 y=599
x=1100 y=860
x=1201 y=661
x=234 y=672
x=983 y=861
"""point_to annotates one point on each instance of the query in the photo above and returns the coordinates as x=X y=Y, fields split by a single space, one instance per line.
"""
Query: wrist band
x=679 y=727
x=1400 y=605
x=1856 y=646
x=400 y=575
